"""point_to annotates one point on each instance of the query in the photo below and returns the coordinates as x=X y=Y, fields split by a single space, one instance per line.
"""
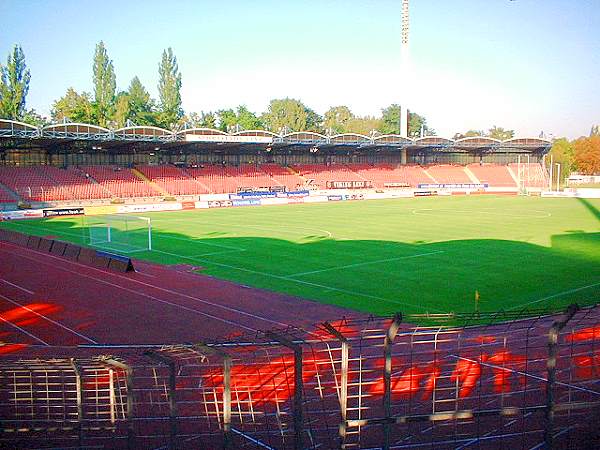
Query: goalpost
x=123 y=233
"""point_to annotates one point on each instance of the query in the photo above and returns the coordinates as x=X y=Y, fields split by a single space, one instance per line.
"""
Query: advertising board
x=63 y=212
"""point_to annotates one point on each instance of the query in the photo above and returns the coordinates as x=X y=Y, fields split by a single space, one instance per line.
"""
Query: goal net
x=120 y=233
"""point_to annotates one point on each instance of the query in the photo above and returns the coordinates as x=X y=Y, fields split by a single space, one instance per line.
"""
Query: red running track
x=48 y=300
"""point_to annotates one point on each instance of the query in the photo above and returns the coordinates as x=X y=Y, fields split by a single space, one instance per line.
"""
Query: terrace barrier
x=365 y=383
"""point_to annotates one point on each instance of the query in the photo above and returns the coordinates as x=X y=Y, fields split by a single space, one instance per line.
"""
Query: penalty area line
x=307 y=283
x=559 y=294
x=379 y=261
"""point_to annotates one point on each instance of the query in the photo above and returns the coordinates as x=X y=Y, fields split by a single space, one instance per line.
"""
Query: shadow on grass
x=590 y=207
x=384 y=277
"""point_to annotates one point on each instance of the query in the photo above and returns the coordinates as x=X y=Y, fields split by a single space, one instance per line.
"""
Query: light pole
x=405 y=75
x=557 y=177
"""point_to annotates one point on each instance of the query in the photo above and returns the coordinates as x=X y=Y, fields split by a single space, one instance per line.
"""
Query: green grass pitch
x=412 y=255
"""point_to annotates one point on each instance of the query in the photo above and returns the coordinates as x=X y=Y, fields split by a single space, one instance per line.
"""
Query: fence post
x=227 y=435
x=129 y=383
x=343 y=380
x=555 y=329
x=171 y=393
x=79 y=388
x=387 y=377
x=298 y=386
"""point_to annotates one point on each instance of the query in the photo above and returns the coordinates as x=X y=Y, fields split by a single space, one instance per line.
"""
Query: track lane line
x=216 y=305
x=166 y=302
x=90 y=340
x=17 y=286
x=22 y=330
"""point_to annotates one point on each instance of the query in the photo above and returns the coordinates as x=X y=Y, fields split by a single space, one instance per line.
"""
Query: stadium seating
x=48 y=183
x=448 y=174
x=319 y=174
x=386 y=175
x=5 y=197
x=222 y=179
x=173 y=180
x=120 y=182
x=284 y=176
x=493 y=174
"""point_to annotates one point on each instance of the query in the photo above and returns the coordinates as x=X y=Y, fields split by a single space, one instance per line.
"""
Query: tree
x=247 y=119
x=240 y=119
x=363 y=125
x=208 y=120
x=73 y=106
x=314 y=122
x=390 y=120
x=202 y=120
x=470 y=133
x=336 y=119
x=169 y=89
x=122 y=109
x=417 y=124
x=14 y=85
x=227 y=119
x=562 y=152
x=105 y=85
x=141 y=106
x=500 y=133
x=587 y=155
x=290 y=115
x=33 y=118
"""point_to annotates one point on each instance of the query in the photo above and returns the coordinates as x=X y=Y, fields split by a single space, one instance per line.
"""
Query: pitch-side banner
x=227 y=138
x=454 y=186
x=22 y=214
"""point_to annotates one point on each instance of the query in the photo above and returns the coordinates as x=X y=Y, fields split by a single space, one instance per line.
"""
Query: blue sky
x=529 y=65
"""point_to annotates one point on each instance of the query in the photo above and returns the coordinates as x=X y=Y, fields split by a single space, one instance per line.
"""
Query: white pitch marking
x=308 y=283
x=570 y=291
x=49 y=320
x=365 y=263
x=218 y=253
x=17 y=286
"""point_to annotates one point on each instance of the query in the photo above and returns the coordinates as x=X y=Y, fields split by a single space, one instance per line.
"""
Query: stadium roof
x=18 y=134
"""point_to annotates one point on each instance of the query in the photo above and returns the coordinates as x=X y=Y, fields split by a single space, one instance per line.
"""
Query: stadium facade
x=75 y=164
x=83 y=144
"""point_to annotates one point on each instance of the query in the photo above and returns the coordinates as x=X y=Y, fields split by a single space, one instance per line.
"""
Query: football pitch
x=412 y=255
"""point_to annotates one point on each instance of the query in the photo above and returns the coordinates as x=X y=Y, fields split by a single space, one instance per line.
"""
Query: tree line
x=107 y=106
x=580 y=155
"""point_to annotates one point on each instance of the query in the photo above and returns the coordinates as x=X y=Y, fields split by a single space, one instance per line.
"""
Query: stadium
x=169 y=258
x=171 y=285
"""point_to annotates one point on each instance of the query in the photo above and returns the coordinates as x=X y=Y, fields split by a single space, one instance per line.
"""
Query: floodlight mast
x=405 y=70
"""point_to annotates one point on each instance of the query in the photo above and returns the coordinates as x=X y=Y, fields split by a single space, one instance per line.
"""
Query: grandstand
x=48 y=183
x=493 y=174
x=94 y=163
x=449 y=174
x=120 y=181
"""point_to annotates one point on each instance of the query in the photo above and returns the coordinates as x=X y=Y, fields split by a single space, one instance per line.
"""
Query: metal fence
x=370 y=383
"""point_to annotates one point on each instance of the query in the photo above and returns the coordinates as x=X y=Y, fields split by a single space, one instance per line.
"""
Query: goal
x=121 y=233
